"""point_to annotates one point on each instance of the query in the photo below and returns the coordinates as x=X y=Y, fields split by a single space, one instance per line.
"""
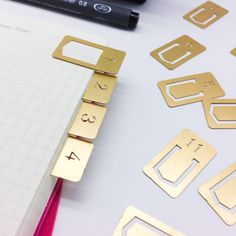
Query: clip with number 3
x=190 y=89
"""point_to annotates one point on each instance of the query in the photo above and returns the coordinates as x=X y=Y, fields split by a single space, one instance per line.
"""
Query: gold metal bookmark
x=175 y=167
x=100 y=89
x=220 y=113
x=190 y=89
x=88 y=121
x=137 y=223
x=109 y=62
x=206 y=14
x=220 y=193
x=73 y=159
x=178 y=52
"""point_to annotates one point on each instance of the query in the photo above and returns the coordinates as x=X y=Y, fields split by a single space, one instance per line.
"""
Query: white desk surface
x=139 y=123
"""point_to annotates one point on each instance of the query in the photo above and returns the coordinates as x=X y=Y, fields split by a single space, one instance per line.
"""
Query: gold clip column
x=78 y=147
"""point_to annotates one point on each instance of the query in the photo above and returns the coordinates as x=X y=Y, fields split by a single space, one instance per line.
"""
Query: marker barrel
x=95 y=10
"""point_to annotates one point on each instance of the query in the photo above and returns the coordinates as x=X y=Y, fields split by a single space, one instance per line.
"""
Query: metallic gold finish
x=233 y=52
x=100 y=89
x=173 y=170
x=178 y=52
x=220 y=113
x=137 y=223
x=88 y=121
x=206 y=14
x=110 y=61
x=224 y=201
x=73 y=159
x=190 y=89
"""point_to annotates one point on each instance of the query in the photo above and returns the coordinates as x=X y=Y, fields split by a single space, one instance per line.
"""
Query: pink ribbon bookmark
x=46 y=224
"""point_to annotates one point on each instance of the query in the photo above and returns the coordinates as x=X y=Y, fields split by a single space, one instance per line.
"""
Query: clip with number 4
x=73 y=159
x=190 y=89
x=109 y=61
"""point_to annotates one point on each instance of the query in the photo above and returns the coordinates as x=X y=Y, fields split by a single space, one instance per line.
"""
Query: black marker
x=94 y=9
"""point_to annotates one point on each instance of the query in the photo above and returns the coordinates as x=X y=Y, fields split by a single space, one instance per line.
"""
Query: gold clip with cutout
x=206 y=14
x=220 y=193
x=135 y=222
x=220 y=113
x=109 y=62
x=175 y=167
x=190 y=89
x=177 y=52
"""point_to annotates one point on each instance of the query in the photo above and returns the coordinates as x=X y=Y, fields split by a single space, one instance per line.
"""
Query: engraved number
x=72 y=156
x=101 y=86
x=87 y=118
x=208 y=84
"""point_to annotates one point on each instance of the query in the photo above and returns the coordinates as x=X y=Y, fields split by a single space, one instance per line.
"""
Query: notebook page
x=38 y=97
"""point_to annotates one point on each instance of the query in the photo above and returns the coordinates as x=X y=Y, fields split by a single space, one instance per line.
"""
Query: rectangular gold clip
x=175 y=167
x=73 y=159
x=109 y=62
x=88 y=121
x=190 y=89
x=100 y=89
x=220 y=193
x=137 y=223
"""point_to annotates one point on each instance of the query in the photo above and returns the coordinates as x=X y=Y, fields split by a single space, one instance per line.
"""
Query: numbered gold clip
x=88 y=121
x=175 y=167
x=109 y=62
x=220 y=193
x=190 y=89
x=220 y=113
x=137 y=223
x=73 y=159
x=206 y=14
x=100 y=89
x=178 y=52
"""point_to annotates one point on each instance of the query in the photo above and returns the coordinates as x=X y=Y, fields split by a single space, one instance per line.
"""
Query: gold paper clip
x=177 y=52
x=206 y=14
x=190 y=89
x=100 y=89
x=73 y=159
x=220 y=113
x=136 y=223
x=88 y=121
x=175 y=167
x=220 y=193
x=109 y=62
